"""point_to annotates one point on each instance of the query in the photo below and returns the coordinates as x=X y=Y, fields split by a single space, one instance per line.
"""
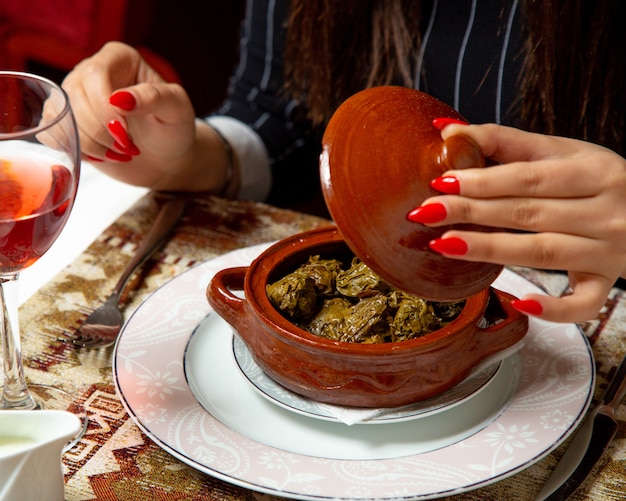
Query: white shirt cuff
x=254 y=164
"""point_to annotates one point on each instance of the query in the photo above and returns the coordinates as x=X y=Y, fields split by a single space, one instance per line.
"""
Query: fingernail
x=527 y=306
x=132 y=151
x=116 y=129
x=431 y=213
x=453 y=246
x=447 y=184
x=441 y=123
x=94 y=159
x=118 y=157
x=123 y=99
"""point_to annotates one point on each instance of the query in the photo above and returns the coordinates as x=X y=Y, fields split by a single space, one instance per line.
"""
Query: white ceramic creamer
x=31 y=444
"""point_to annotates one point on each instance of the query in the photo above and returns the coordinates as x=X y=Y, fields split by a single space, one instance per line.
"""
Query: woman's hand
x=139 y=129
x=567 y=197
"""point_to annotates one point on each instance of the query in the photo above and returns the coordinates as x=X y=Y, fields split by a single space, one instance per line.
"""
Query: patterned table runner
x=116 y=461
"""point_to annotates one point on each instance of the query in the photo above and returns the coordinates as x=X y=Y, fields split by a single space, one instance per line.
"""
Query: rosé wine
x=35 y=198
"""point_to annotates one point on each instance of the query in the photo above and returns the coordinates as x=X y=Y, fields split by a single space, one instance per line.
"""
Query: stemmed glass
x=39 y=171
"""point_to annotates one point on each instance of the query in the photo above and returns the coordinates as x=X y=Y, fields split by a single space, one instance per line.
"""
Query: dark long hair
x=573 y=80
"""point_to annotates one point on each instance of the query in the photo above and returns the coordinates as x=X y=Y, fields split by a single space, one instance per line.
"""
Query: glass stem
x=14 y=392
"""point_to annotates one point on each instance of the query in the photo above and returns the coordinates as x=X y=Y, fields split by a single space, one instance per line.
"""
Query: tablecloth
x=116 y=461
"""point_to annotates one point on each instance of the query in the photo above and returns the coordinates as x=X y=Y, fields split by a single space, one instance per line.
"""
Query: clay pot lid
x=380 y=152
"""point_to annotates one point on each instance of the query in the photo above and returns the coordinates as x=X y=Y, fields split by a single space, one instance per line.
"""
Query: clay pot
x=352 y=374
x=380 y=152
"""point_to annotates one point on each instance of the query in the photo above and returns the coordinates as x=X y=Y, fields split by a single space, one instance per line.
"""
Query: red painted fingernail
x=132 y=151
x=527 y=306
x=94 y=159
x=431 y=213
x=447 y=184
x=123 y=99
x=453 y=246
x=118 y=157
x=116 y=129
x=441 y=123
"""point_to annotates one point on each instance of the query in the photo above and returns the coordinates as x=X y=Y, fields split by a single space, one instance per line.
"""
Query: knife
x=589 y=443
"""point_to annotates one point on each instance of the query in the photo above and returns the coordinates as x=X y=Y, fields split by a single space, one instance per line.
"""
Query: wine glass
x=39 y=171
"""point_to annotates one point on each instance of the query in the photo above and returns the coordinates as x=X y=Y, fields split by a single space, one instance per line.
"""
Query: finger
x=551 y=251
x=583 y=304
x=166 y=102
x=578 y=217
x=545 y=166
x=91 y=110
x=96 y=142
x=554 y=178
x=116 y=65
x=54 y=137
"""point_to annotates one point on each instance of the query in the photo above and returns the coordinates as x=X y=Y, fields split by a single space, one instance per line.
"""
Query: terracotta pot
x=380 y=152
x=351 y=374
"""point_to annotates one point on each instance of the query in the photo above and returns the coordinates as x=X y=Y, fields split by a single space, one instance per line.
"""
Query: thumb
x=167 y=102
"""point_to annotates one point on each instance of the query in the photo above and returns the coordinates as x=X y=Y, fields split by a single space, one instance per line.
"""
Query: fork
x=102 y=327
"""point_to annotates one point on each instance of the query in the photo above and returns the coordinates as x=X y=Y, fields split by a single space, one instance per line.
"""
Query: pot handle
x=506 y=326
x=221 y=298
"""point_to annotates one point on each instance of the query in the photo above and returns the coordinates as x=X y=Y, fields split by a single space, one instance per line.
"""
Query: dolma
x=414 y=317
x=294 y=295
x=330 y=320
x=367 y=321
x=359 y=280
x=355 y=304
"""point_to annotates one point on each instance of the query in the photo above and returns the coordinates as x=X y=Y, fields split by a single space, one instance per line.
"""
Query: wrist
x=217 y=161
x=232 y=182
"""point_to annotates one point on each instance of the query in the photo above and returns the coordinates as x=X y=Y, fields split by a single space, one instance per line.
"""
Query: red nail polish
x=447 y=184
x=94 y=159
x=123 y=99
x=132 y=151
x=431 y=213
x=441 y=123
x=527 y=306
x=118 y=157
x=453 y=246
x=116 y=129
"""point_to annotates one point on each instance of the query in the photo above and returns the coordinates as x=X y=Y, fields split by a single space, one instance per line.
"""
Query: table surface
x=116 y=461
x=100 y=200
